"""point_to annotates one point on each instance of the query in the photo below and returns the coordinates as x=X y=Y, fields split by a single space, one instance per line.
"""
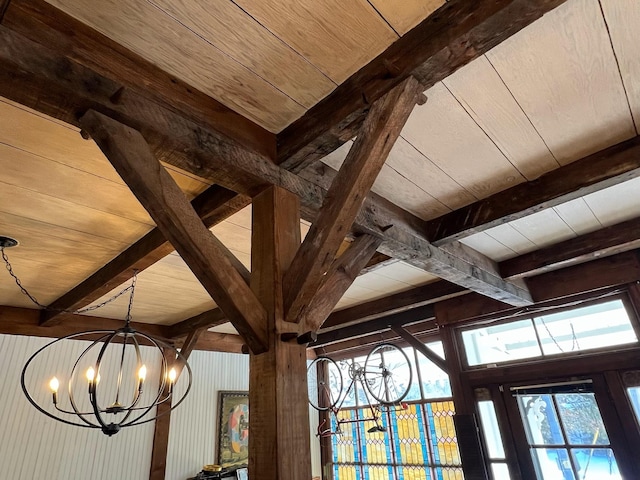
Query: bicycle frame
x=357 y=374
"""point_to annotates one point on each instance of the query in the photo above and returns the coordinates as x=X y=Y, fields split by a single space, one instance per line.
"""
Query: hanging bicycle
x=385 y=376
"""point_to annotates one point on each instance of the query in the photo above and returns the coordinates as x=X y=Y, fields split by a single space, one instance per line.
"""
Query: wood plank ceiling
x=561 y=89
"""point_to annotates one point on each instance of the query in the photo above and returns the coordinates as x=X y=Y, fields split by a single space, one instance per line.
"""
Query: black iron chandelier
x=108 y=385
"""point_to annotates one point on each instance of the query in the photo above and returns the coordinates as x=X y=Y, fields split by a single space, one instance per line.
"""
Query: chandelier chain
x=90 y=308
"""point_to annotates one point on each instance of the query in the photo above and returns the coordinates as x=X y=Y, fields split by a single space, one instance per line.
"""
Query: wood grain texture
x=212 y=206
x=277 y=379
x=422 y=315
x=608 y=241
x=227 y=27
x=36 y=80
x=595 y=172
x=485 y=97
x=420 y=347
x=566 y=59
x=49 y=26
x=335 y=37
x=623 y=21
x=346 y=195
x=185 y=55
x=443 y=132
x=396 y=303
x=454 y=35
x=207 y=257
x=339 y=277
x=554 y=287
x=408 y=15
x=208 y=319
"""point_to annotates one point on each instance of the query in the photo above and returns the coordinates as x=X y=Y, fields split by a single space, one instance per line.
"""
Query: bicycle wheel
x=324 y=381
x=387 y=374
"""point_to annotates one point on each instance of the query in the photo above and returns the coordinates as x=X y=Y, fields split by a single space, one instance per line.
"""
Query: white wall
x=34 y=446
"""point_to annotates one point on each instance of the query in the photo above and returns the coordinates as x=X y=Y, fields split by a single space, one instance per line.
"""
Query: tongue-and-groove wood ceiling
x=559 y=90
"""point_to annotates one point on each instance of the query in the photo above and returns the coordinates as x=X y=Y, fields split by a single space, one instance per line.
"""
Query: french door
x=569 y=431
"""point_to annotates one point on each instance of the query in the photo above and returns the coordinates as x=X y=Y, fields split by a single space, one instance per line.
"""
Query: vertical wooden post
x=279 y=446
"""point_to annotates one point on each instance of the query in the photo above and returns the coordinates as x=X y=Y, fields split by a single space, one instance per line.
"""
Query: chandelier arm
x=119 y=383
x=105 y=338
x=138 y=393
x=159 y=345
x=93 y=387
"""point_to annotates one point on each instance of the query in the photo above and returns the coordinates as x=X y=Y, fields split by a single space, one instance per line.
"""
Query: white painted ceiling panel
x=623 y=21
x=483 y=94
x=563 y=73
x=445 y=133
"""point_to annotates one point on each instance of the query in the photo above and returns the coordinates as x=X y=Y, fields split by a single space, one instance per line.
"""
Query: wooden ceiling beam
x=31 y=74
x=49 y=26
x=419 y=314
x=556 y=286
x=595 y=172
x=454 y=35
x=395 y=303
x=213 y=206
x=607 y=241
x=338 y=279
x=346 y=195
x=211 y=262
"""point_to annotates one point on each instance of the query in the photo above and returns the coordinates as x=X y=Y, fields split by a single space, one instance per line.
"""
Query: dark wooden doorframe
x=613 y=408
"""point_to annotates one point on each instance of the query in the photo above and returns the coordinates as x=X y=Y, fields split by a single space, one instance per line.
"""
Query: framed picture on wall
x=232 y=446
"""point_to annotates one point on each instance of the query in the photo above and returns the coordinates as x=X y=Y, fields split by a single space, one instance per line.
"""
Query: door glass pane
x=595 y=463
x=540 y=420
x=552 y=464
x=581 y=419
x=491 y=431
x=634 y=396
x=500 y=471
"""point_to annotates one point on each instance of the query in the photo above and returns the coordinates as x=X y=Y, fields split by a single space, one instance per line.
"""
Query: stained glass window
x=418 y=442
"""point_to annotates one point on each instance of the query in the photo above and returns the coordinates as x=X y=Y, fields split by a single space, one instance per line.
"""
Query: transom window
x=589 y=327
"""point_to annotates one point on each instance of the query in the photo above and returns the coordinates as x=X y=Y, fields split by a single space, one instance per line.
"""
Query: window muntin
x=566 y=435
x=594 y=326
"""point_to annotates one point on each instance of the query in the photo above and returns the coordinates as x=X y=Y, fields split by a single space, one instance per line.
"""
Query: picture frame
x=232 y=446
x=241 y=474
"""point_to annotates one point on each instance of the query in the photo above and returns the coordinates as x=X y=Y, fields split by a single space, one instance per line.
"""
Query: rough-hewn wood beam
x=396 y=303
x=454 y=35
x=210 y=261
x=405 y=240
x=339 y=278
x=25 y=321
x=607 y=241
x=32 y=75
x=162 y=424
x=208 y=319
x=600 y=274
x=51 y=27
x=279 y=428
x=213 y=206
x=593 y=173
x=426 y=312
x=344 y=198
x=363 y=344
